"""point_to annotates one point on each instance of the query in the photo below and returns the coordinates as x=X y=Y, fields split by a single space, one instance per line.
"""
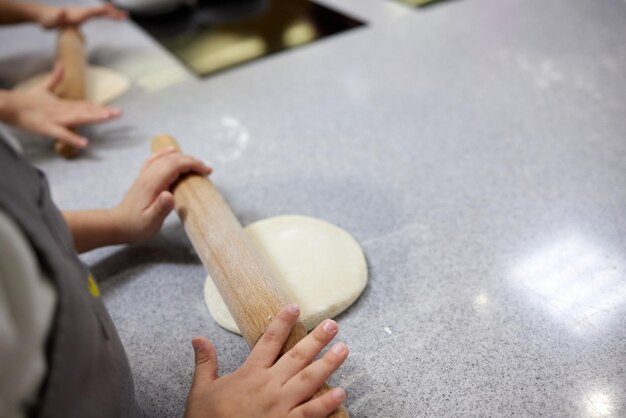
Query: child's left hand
x=39 y=111
x=145 y=206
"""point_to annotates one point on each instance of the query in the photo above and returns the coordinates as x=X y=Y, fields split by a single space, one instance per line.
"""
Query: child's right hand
x=143 y=209
x=264 y=386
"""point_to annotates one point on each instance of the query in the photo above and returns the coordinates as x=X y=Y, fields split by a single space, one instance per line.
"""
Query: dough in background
x=319 y=266
x=103 y=85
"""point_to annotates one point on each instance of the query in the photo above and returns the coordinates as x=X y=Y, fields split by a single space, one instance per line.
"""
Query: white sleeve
x=27 y=305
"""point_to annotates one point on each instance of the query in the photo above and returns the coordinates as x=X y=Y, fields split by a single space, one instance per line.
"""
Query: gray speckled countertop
x=476 y=150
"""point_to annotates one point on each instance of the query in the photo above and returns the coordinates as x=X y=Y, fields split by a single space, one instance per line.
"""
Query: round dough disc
x=319 y=266
x=103 y=85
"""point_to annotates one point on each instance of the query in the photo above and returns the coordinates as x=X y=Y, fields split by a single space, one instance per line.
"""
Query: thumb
x=66 y=136
x=206 y=361
x=160 y=208
x=54 y=78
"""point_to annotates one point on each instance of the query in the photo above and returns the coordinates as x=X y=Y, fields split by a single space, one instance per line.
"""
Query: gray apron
x=88 y=372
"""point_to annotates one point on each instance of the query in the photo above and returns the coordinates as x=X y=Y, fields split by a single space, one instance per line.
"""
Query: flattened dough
x=320 y=267
x=103 y=84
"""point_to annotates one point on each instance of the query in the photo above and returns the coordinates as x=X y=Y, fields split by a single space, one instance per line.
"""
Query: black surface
x=218 y=24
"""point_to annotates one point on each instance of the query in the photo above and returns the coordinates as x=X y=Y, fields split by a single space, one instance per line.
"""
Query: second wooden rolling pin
x=237 y=269
x=71 y=54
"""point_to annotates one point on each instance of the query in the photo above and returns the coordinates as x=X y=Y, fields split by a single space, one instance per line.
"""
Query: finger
x=115 y=13
x=158 y=154
x=84 y=14
x=206 y=369
x=303 y=353
x=82 y=112
x=54 y=78
x=164 y=170
x=171 y=166
x=119 y=15
x=102 y=11
x=185 y=163
x=304 y=384
x=320 y=407
x=155 y=213
x=268 y=347
x=66 y=136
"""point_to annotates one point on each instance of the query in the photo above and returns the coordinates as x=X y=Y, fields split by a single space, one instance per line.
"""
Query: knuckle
x=304 y=412
x=311 y=410
x=328 y=403
x=298 y=355
x=307 y=377
x=330 y=361
x=320 y=337
x=271 y=336
x=156 y=157
x=201 y=359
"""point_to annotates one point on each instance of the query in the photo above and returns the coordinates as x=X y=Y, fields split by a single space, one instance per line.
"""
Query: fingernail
x=329 y=326
x=338 y=393
x=338 y=348
x=82 y=142
x=115 y=111
x=293 y=309
x=196 y=344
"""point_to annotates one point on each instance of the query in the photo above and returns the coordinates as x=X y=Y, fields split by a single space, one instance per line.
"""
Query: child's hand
x=147 y=203
x=40 y=111
x=53 y=17
x=263 y=386
x=143 y=209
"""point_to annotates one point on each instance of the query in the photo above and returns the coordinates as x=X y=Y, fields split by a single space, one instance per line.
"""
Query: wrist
x=92 y=228
x=117 y=227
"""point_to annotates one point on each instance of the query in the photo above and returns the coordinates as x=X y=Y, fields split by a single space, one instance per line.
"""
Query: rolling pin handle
x=71 y=54
x=162 y=141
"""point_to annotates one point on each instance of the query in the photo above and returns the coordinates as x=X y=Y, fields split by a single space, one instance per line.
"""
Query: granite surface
x=476 y=150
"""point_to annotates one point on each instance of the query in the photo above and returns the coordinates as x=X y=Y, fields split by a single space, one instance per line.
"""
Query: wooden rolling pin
x=71 y=54
x=238 y=271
